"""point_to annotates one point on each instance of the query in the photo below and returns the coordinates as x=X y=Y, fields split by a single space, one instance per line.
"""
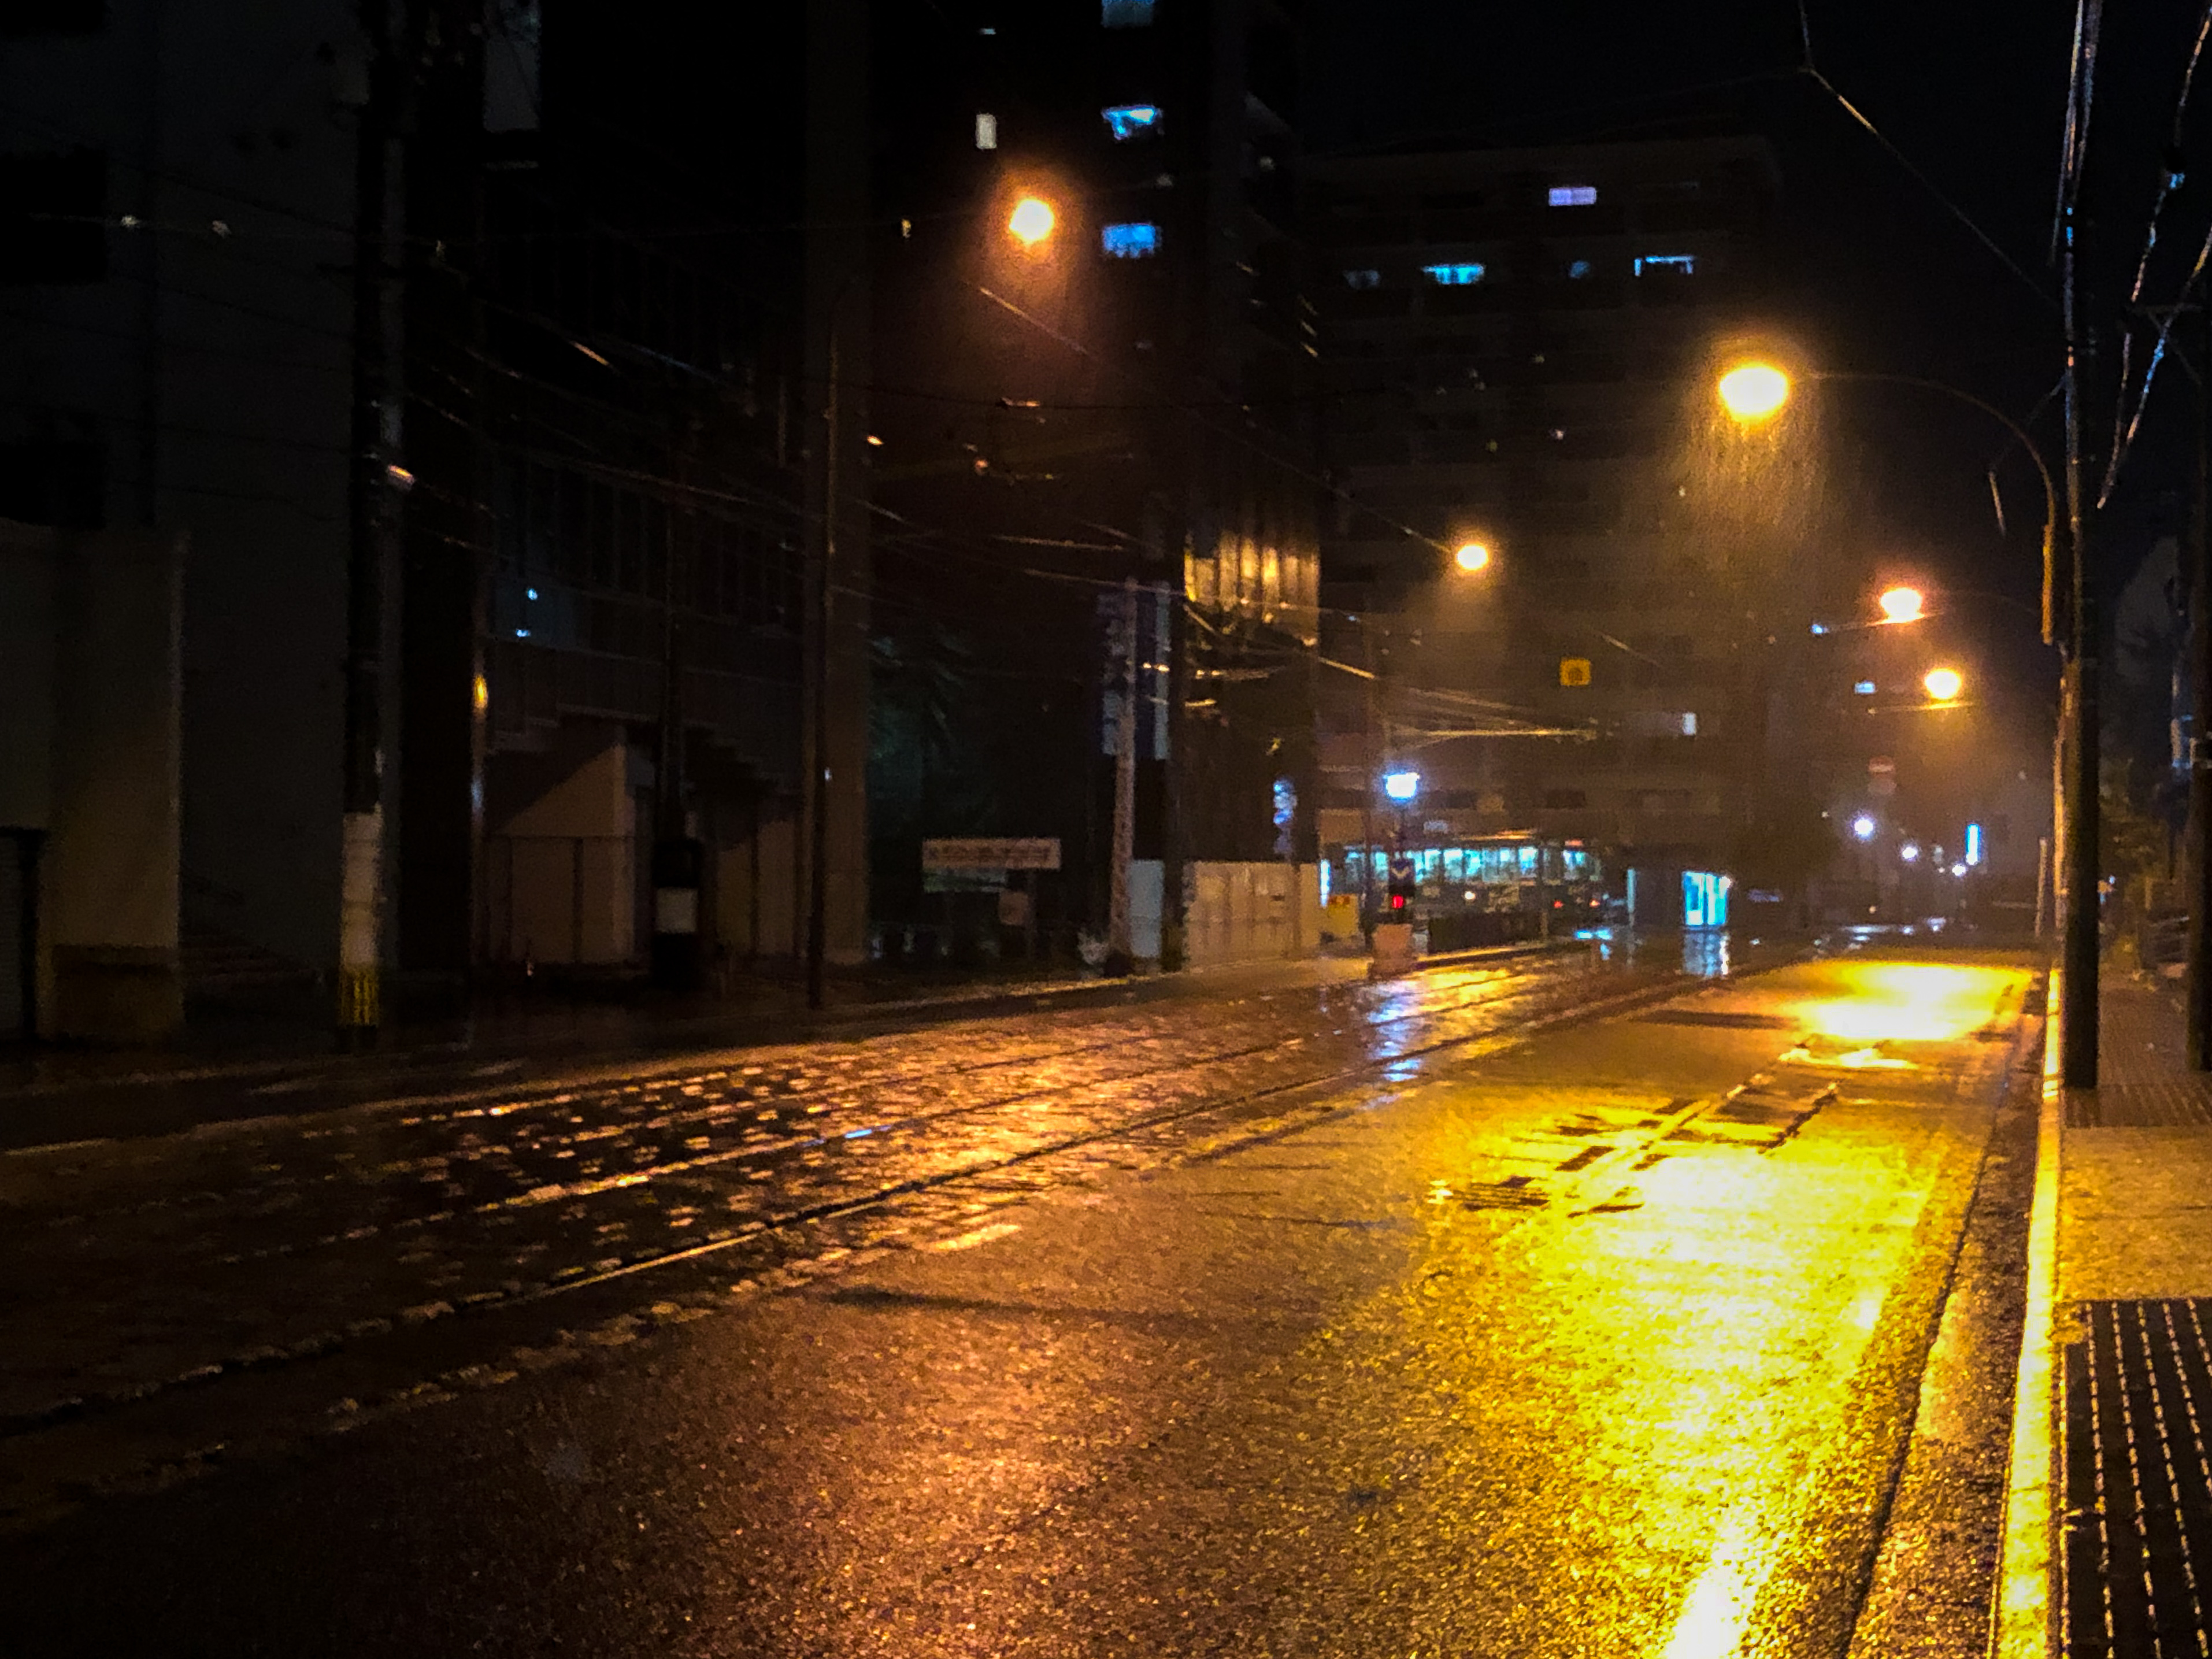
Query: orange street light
x=1943 y=684
x=1902 y=605
x=1471 y=556
x=1751 y=391
x=1031 y=220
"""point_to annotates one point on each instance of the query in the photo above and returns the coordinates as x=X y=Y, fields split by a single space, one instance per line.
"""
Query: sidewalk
x=2114 y=1424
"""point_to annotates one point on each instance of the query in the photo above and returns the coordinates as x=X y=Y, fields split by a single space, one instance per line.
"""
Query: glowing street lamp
x=1401 y=787
x=1943 y=684
x=1863 y=826
x=1909 y=852
x=1472 y=557
x=1901 y=605
x=1752 y=392
x=1031 y=220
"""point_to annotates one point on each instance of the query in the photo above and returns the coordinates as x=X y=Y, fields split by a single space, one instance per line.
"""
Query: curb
x=2021 y=1614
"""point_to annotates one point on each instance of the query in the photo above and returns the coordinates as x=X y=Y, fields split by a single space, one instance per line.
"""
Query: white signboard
x=1031 y=853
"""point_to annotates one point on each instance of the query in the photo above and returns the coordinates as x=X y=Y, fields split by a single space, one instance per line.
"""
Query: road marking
x=1711 y=1624
x=2022 y=1616
x=968 y=1241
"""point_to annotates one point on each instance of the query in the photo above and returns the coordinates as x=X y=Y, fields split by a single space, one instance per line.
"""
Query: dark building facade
x=473 y=353
x=1520 y=346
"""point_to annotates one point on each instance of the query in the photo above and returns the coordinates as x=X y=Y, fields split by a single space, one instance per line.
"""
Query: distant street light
x=1751 y=391
x=1909 y=852
x=1959 y=870
x=1031 y=220
x=1901 y=605
x=1943 y=684
x=1863 y=826
x=1401 y=785
x=1473 y=556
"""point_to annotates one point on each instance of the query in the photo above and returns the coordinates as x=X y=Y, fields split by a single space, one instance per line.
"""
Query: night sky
x=1876 y=273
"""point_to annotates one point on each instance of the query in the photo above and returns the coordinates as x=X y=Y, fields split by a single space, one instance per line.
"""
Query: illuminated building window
x=1125 y=13
x=1128 y=121
x=1573 y=196
x=1578 y=269
x=1363 y=279
x=1454 y=275
x=1137 y=241
x=987 y=131
x=1684 y=263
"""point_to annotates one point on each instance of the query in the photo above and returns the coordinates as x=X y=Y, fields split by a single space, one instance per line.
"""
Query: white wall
x=1235 y=912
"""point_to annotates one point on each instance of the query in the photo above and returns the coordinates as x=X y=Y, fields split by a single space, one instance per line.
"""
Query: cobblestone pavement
x=143 y=1268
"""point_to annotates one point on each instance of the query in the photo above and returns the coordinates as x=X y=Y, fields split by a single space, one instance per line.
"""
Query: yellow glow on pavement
x=1907 y=1002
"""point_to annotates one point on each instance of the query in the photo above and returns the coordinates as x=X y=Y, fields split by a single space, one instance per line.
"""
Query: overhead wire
x=2125 y=425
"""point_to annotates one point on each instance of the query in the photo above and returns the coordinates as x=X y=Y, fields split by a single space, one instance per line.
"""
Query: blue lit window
x=1363 y=279
x=1454 y=276
x=1684 y=263
x=1573 y=196
x=1864 y=688
x=1578 y=269
x=1129 y=121
x=1126 y=13
x=1139 y=241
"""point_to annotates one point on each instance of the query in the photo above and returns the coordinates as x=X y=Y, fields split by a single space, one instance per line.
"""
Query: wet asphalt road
x=1453 y=1317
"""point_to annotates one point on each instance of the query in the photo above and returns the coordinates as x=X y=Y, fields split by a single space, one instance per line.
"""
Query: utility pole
x=824 y=607
x=1174 y=821
x=1121 y=955
x=2079 y=711
x=678 y=861
x=379 y=480
x=2199 y=984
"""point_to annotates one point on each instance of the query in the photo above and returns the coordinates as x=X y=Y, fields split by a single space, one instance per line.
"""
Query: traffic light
x=1401 y=898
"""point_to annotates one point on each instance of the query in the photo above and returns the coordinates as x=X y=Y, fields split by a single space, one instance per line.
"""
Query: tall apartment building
x=1127 y=399
x=1519 y=346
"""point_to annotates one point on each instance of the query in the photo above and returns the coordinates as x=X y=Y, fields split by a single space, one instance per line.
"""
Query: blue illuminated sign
x=1132 y=120
x=1973 y=843
x=1464 y=274
x=1684 y=263
x=1138 y=242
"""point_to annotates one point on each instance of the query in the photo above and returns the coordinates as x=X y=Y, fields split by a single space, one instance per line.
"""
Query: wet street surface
x=1544 y=1307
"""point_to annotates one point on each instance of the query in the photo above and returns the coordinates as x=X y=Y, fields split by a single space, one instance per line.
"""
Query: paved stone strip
x=2145 y=1083
x=2136 y=1550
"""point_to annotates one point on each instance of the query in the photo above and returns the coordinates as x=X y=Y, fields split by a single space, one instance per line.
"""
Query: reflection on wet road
x=1328 y=1322
x=260 y=1241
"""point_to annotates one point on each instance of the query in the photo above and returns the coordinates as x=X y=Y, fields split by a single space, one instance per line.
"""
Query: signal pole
x=1120 y=953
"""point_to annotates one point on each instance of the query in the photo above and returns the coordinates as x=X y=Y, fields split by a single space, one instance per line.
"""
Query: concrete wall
x=561 y=873
x=756 y=902
x=92 y=669
x=1236 y=912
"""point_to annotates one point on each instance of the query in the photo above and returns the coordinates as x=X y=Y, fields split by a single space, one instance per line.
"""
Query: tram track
x=833 y=1203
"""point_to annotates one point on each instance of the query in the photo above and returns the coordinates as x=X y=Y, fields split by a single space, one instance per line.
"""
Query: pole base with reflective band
x=1394 y=950
x=361 y=1006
